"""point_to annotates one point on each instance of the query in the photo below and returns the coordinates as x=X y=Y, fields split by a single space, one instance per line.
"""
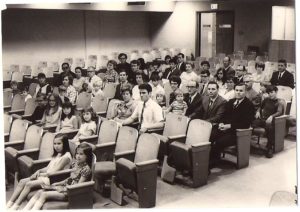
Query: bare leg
x=33 y=200
x=17 y=192
x=53 y=195
x=27 y=188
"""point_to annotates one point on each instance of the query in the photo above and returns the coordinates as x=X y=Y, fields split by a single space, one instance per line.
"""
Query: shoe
x=269 y=153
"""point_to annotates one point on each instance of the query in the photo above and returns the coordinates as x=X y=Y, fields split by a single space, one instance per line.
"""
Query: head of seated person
x=192 y=87
x=145 y=91
x=42 y=79
x=205 y=65
x=175 y=82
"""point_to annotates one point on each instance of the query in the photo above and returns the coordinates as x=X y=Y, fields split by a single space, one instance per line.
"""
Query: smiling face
x=51 y=101
x=87 y=116
x=126 y=96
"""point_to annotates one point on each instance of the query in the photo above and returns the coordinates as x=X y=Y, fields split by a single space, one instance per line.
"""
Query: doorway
x=215 y=33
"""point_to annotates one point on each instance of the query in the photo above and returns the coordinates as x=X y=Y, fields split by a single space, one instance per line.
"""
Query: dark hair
x=142 y=63
x=282 y=61
x=67 y=104
x=155 y=77
x=271 y=88
x=144 y=76
x=243 y=68
x=70 y=78
x=122 y=54
x=22 y=87
x=57 y=101
x=146 y=86
x=41 y=75
x=205 y=72
x=78 y=67
x=213 y=83
x=89 y=110
x=223 y=79
x=229 y=79
x=65 y=141
x=181 y=54
x=88 y=151
x=123 y=70
x=175 y=78
x=155 y=63
x=167 y=57
x=113 y=62
x=13 y=83
x=240 y=84
x=44 y=96
x=205 y=62
x=65 y=64
x=260 y=65
x=229 y=59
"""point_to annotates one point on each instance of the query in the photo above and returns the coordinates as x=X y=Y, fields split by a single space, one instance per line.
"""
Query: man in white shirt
x=148 y=112
x=92 y=78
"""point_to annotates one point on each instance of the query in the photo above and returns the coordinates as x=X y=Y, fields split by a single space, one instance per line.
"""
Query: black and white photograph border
x=32 y=31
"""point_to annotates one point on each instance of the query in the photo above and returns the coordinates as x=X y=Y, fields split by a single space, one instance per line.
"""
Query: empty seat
x=112 y=108
x=191 y=153
x=109 y=90
x=139 y=174
x=18 y=104
x=84 y=100
x=7 y=98
x=99 y=104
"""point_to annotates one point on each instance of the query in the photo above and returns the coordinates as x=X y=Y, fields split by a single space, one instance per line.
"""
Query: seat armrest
x=179 y=138
x=126 y=154
x=80 y=185
x=93 y=139
x=80 y=196
x=146 y=165
x=59 y=175
x=32 y=153
x=101 y=113
x=156 y=130
x=105 y=144
x=39 y=164
x=51 y=128
x=15 y=144
x=70 y=134
x=201 y=144
x=16 y=111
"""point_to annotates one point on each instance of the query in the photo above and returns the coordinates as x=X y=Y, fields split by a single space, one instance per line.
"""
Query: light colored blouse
x=68 y=124
x=52 y=119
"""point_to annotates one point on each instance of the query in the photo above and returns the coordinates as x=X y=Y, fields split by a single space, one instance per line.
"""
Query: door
x=224 y=32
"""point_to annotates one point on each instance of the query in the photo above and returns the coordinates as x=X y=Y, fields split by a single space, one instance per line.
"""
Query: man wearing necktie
x=181 y=63
x=148 y=112
x=282 y=76
x=239 y=114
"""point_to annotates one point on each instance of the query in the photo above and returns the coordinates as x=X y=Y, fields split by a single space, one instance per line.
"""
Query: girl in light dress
x=68 y=120
x=52 y=112
x=61 y=159
x=81 y=172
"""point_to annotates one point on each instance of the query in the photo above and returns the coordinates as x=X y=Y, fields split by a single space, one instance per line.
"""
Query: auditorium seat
x=112 y=108
x=99 y=104
x=80 y=196
x=7 y=120
x=17 y=104
x=17 y=131
x=242 y=148
x=83 y=100
x=32 y=88
x=14 y=68
x=7 y=98
x=33 y=161
x=109 y=90
x=139 y=174
x=126 y=142
x=189 y=154
x=26 y=70
x=17 y=148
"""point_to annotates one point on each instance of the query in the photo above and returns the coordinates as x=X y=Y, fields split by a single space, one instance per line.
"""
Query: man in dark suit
x=172 y=71
x=228 y=70
x=123 y=64
x=240 y=72
x=180 y=62
x=123 y=81
x=66 y=70
x=282 y=76
x=194 y=100
x=204 y=82
x=239 y=114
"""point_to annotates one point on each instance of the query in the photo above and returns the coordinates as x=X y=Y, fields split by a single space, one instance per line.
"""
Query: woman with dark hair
x=126 y=108
x=79 y=79
x=52 y=112
x=220 y=78
x=61 y=159
x=70 y=90
x=68 y=120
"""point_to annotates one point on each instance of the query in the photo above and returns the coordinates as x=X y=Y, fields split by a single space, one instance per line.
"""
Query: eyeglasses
x=123 y=58
x=65 y=67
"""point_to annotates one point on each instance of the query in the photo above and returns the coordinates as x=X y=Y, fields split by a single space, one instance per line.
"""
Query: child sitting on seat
x=81 y=172
x=179 y=106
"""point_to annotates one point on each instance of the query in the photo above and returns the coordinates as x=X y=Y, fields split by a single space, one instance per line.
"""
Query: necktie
x=279 y=76
x=142 y=116
x=190 y=100
x=210 y=104
x=236 y=104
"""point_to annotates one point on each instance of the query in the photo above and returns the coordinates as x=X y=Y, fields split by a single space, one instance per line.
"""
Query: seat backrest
x=168 y=91
x=127 y=139
x=147 y=148
x=33 y=137
x=112 y=108
x=46 y=146
x=7 y=122
x=18 y=130
x=109 y=90
x=84 y=100
x=17 y=76
x=6 y=75
x=284 y=92
x=108 y=132
x=198 y=131
x=99 y=103
x=32 y=87
x=26 y=70
x=30 y=106
x=18 y=102
x=175 y=125
x=7 y=97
